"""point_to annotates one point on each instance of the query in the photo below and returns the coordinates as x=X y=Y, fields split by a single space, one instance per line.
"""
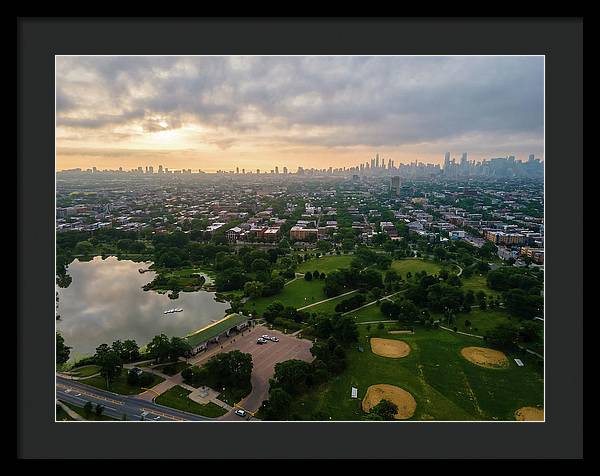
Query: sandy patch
x=529 y=414
x=404 y=401
x=391 y=348
x=485 y=357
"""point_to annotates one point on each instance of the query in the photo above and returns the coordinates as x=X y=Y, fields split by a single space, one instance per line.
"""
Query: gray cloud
x=375 y=101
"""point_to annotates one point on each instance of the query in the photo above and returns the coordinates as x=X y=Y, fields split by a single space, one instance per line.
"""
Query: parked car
x=240 y=412
x=260 y=340
x=274 y=339
x=265 y=337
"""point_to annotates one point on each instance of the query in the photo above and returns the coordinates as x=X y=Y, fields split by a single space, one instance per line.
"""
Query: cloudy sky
x=215 y=113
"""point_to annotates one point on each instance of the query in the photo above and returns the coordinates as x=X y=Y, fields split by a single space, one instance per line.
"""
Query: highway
x=71 y=391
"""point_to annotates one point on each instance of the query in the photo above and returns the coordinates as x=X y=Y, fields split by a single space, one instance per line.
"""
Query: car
x=241 y=413
x=274 y=339
x=260 y=340
x=266 y=337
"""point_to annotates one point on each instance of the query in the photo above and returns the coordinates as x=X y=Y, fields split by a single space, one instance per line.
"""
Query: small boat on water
x=171 y=311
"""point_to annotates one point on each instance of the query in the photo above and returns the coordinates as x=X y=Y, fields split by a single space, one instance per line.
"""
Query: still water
x=105 y=302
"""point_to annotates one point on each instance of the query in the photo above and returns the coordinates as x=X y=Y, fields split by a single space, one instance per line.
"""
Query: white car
x=241 y=413
x=274 y=339
x=266 y=337
x=260 y=340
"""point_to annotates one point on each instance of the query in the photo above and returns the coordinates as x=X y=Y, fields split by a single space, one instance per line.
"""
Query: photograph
x=300 y=238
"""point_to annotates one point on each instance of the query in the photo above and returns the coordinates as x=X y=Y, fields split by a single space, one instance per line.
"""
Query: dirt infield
x=529 y=414
x=391 y=348
x=485 y=357
x=404 y=401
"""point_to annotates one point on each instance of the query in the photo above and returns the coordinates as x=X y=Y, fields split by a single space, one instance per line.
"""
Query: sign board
x=354 y=392
x=519 y=362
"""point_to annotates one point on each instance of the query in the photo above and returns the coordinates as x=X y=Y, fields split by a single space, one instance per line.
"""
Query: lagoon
x=105 y=302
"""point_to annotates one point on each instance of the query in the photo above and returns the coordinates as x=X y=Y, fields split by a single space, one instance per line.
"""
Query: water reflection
x=106 y=302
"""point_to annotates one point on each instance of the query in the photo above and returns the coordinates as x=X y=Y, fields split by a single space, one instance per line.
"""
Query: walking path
x=373 y=302
x=74 y=415
x=325 y=300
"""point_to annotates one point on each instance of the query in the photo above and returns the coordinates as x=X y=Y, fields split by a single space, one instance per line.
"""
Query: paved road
x=115 y=406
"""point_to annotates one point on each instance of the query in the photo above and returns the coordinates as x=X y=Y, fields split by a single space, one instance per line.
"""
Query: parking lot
x=264 y=358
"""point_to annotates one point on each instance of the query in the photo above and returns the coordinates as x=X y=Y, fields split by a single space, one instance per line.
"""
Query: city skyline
x=219 y=113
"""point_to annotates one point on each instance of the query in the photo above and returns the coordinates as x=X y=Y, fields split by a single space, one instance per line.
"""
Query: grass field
x=325 y=264
x=403 y=266
x=329 y=306
x=296 y=294
x=91 y=417
x=85 y=371
x=177 y=397
x=481 y=321
x=478 y=283
x=444 y=384
x=62 y=415
x=368 y=314
x=120 y=384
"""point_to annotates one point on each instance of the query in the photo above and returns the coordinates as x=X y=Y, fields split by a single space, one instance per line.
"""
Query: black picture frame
x=560 y=40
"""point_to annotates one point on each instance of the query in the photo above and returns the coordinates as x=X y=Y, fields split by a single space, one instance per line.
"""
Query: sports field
x=444 y=384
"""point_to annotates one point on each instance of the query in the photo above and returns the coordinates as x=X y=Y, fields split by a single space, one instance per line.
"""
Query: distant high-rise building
x=160 y=169
x=94 y=170
x=377 y=161
x=237 y=170
x=150 y=169
x=285 y=171
x=395 y=187
x=276 y=169
x=257 y=171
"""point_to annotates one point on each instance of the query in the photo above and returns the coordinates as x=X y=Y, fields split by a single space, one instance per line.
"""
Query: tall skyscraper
x=276 y=169
x=160 y=169
x=285 y=171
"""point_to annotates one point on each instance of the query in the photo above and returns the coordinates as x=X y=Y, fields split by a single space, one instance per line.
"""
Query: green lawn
x=403 y=266
x=444 y=384
x=329 y=306
x=91 y=417
x=481 y=321
x=172 y=368
x=62 y=415
x=85 y=371
x=477 y=283
x=296 y=294
x=177 y=397
x=120 y=384
x=325 y=264
x=367 y=314
x=231 y=396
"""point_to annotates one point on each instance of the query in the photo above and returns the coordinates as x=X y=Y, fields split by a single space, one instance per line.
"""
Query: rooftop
x=214 y=329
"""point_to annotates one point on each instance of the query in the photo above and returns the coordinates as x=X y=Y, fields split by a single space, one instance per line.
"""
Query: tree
x=291 y=376
x=254 y=289
x=504 y=335
x=178 y=347
x=159 y=348
x=62 y=351
x=308 y=276
x=109 y=362
x=278 y=405
x=99 y=410
x=87 y=409
x=131 y=351
x=385 y=409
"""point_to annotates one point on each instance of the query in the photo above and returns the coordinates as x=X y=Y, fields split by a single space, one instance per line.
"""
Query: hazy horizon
x=222 y=112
